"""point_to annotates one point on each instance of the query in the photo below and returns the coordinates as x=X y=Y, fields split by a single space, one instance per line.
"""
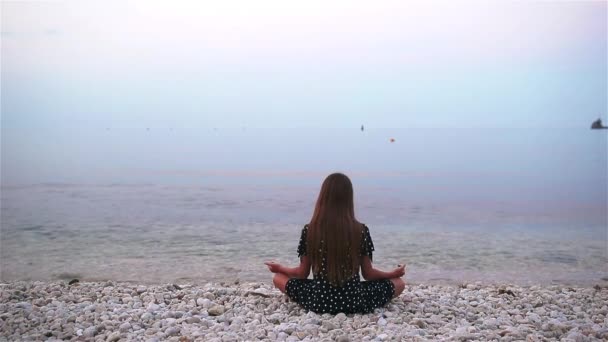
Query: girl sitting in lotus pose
x=335 y=245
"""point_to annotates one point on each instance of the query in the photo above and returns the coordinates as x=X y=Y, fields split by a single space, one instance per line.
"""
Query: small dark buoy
x=362 y=128
x=392 y=140
x=73 y=281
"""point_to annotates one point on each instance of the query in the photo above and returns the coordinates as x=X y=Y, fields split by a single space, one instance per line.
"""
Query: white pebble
x=203 y=302
x=153 y=307
x=382 y=337
x=90 y=331
x=115 y=336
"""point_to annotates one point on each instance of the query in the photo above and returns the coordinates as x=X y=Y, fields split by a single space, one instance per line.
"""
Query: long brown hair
x=333 y=232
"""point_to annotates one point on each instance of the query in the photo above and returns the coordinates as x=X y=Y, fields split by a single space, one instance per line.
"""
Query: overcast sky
x=309 y=63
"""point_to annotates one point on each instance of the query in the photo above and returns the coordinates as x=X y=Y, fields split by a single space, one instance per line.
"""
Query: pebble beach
x=114 y=311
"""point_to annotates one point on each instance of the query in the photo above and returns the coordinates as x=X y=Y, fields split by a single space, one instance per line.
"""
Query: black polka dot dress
x=355 y=296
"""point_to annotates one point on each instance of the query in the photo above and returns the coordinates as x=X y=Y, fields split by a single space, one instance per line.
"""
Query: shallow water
x=172 y=233
x=192 y=204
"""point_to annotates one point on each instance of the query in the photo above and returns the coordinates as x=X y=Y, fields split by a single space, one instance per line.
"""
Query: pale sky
x=312 y=63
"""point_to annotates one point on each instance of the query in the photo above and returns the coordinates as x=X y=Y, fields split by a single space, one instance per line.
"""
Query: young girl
x=335 y=245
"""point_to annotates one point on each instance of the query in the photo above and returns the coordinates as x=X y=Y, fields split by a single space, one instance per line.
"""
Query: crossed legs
x=280 y=281
x=399 y=286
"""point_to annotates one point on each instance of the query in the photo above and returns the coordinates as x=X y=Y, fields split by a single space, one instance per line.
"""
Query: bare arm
x=370 y=273
x=301 y=271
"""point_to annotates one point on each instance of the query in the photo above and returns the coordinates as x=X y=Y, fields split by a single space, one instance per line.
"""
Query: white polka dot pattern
x=355 y=296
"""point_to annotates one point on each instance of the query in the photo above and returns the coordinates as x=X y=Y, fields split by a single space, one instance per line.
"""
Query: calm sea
x=178 y=205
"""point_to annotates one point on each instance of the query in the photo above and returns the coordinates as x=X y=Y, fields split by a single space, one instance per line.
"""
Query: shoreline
x=435 y=278
x=120 y=311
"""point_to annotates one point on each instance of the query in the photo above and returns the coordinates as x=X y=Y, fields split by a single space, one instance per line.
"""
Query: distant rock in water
x=597 y=124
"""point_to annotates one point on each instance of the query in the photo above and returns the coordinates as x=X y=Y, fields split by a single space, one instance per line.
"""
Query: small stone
x=341 y=317
x=141 y=289
x=275 y=318
x=171 y=331
x=300 y=334
x=419 y=323
x=216 y=310
x=260 y=334
x=230 y=337
x=168 y=314
x=260 y=292
x=90 y=331
x=343 y=338
x=535 y=318
x=461 y=331
x=382 y=337
x=412 y=333
x=125 y=327
x=115 y=336
x=73 y=281
x=192 y=320
x=328 y=325
x=238 y=321
x=204 y=302
x=24 y=305
x=153 y=307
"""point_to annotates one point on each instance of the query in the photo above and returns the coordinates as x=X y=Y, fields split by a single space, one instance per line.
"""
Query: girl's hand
x=399 y=271
x=273 y=266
